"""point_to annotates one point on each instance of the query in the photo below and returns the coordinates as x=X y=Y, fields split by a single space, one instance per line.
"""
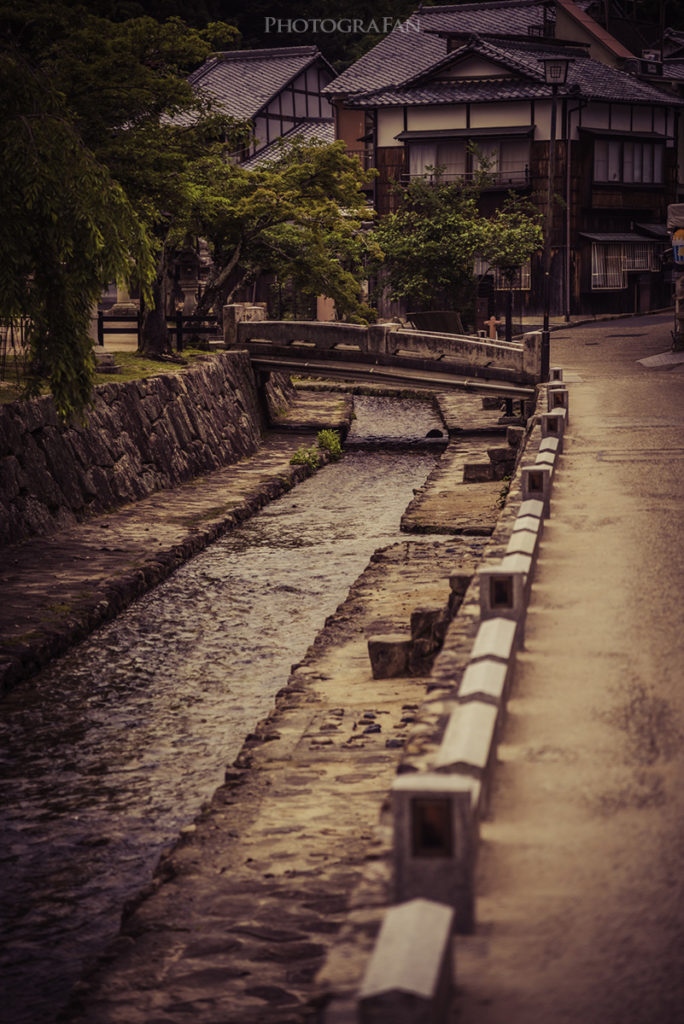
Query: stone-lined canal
x=110 y=752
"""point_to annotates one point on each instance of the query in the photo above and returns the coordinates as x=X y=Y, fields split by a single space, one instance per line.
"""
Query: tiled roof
x=451 y=92
x=307 y=131
x=673 y=68
x=508 y=17
x=242 y=81
x=589 y=78
x=405 y=53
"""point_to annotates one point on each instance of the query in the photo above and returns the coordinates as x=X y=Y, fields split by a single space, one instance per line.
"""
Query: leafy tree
x=66 y=229
x=127 y=124
x=431 y=243
x=513 y=234
x=298 y=218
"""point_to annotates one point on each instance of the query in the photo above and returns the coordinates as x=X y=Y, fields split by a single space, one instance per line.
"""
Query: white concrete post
x=435 y=840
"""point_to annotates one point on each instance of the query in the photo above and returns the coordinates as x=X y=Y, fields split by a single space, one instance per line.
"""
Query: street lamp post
x=555 y=74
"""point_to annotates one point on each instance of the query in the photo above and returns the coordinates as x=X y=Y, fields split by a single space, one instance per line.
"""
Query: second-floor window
x=628 y=162
x=507 y=160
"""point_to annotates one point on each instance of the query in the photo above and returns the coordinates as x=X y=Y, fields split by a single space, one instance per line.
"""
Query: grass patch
x=132 y=367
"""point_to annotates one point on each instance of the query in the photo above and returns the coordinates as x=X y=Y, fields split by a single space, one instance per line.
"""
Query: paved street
x=580 y=891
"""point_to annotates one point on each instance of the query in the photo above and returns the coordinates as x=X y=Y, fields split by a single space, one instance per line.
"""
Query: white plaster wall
x=390 y=123
x=596 y=115
x=435 y=118
x=499 y=115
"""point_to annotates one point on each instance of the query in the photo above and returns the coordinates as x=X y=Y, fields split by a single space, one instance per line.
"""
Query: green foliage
x=93 y=160
x=306 y=457
x=429 y=246
x=513 y=234
x=329 y=441
x=298 y=218
x=67 y=228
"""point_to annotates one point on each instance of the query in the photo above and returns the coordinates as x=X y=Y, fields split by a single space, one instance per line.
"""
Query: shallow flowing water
x=107 y=754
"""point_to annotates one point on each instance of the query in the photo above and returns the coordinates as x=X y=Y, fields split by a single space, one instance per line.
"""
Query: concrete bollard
x=531 y=507
x=556 y=373
x=409 y=977
x=435 y=840
x=502 y=594
x=558 y=397
x=535 y=482
x=546 y=458
x=553 y=425
x=389 y=655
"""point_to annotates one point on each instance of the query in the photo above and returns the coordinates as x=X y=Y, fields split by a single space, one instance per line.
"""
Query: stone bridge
x=386 y=353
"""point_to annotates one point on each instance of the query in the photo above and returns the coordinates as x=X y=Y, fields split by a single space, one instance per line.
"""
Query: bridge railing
x=388 y=344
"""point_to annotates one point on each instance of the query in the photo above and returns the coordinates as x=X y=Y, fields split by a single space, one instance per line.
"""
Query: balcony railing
x=510 y=177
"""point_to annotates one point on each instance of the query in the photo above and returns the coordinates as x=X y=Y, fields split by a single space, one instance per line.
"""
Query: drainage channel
x=111 y=751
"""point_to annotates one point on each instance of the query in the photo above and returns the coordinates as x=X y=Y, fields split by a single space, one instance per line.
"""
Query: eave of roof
x=322 y=131
x=242 y=82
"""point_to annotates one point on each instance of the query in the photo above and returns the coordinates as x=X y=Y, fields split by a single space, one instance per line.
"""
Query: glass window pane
x=600 y=160
x=658 y=170
x=614 y=161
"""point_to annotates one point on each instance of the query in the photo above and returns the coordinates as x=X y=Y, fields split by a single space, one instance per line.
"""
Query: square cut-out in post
x=535 y=482
x=431 y=827
x=500 y=592
x=436 y=832
x=553 y=425
x=558 y=397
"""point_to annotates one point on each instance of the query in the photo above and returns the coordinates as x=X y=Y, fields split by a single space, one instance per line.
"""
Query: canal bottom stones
x=245 y=909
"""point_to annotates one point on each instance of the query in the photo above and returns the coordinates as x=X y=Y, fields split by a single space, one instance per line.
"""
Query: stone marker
x=409 y=976
x=389 y=655
x=435 y=840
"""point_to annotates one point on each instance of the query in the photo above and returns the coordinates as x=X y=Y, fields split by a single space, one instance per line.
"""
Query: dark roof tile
x=243 y=81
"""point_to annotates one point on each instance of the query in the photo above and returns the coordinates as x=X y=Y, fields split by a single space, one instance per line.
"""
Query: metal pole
x=546 y=336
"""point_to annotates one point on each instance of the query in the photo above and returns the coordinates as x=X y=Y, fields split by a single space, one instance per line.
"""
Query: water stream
x=109 y=752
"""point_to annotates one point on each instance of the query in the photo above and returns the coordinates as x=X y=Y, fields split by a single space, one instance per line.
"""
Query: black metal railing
x=182 y=326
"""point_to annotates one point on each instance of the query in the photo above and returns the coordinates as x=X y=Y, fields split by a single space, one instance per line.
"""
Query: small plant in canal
x=306 y=457
x=503 y=493
x=329 y=441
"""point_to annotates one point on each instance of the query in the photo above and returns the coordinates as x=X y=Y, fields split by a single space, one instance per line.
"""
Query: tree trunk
x=216 y=292
x=155 y=337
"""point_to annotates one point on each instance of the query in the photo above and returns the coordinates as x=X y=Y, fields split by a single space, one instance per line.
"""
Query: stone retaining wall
x=140 y=436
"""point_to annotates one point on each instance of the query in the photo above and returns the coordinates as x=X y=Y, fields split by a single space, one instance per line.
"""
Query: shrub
x=329 y=441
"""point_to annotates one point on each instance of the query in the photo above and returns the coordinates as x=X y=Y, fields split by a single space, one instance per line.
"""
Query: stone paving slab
x=59 y=588
x=444 y=504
